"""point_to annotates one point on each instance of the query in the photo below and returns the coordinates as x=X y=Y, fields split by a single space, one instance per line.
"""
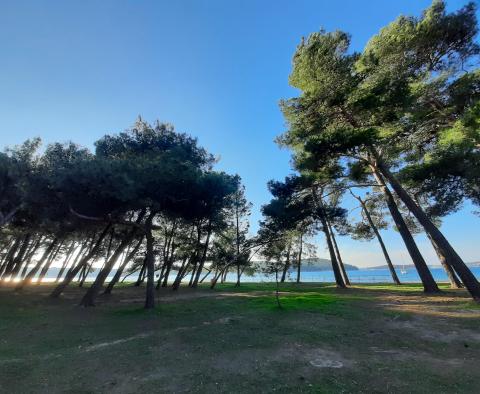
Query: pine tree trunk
x=204 y=257
x=277 y=290
x=10 y=256
x=120 y=270
x=429 y=285
x=215 y=279
x=5 y=249
x=339 y=256
x=321 y=214
x=380 y=241
x=13 y=268
x=299 y=262
x=141 y=275
x=83 y=263
x=30 y=255
x=37 y=266
x=68 y=257
x=183 y=269
x=22 y=258
x=452 y=277
x=83 y=273
x=92 y=292
x=46 y=267
x=208 y=273
x=287 y=264
x=452 y=258
x=150 y=264
x=170 y=260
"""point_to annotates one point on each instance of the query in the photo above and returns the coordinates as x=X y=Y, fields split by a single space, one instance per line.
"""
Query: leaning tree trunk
x=10 y=256
x=215 y=279
x=452 y=258
x=50 y=260
x=181 y=273
x=168 y=269
x=339 y=256
x=29 y=257
x=75 y=270
x=206 y=275
x=5 y=251
x=204 y=257
x=169 y=256
x=429 y=285
x=15 y=263
x=287 y=264
x=19 y=260
x=68 y=258
x=92 y=292
x=120 y=270
x=380 y=241
x=452 y=277
x=83 y=274
x=321 y=214
x=37 y=266
x=299 y=261
x=141 y=274
x=150 y=264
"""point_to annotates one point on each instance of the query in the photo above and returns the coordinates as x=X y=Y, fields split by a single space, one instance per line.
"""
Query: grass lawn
x=369 y=338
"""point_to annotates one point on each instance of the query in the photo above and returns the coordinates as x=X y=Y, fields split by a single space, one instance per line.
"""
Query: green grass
x=238 y=340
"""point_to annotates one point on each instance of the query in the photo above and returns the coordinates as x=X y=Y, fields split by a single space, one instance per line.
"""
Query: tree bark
x=321 y=214
x=339 y=256
x=183 y=269
x=170 y=260
x=287 y=264
x=37 y=266
x=206 y=275
x=150 y=264
x=299 y=262
x=10 y=256
x=120 y=270
x=68 y=258
x=429 y=285
x=15 y=263
x=380 y=241
x=74 y=271
x=277 y=298
x=92 y=292
x=452 y=277
x=204 y=256
x=22 y=254
x=141 y=274
x=5 y=249
x=29 y=257
x=50 y=260
x=452 y=258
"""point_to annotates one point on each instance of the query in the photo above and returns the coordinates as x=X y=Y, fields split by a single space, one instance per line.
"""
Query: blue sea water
x=366 y=275
x=356 y=276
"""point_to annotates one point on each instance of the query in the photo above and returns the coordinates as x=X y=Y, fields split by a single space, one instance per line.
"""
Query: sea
x=364 y=275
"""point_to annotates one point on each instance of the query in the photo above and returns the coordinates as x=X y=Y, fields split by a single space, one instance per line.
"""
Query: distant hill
x=411 y=266
x=318 y=264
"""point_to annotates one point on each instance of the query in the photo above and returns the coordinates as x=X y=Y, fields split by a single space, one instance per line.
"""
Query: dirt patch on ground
x=364 y=341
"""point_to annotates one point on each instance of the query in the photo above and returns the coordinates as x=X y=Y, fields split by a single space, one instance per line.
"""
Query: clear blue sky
x=75 y=70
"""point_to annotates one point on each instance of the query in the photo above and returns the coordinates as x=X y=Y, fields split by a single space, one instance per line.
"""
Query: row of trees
x=147 y=200
x=396 y=127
